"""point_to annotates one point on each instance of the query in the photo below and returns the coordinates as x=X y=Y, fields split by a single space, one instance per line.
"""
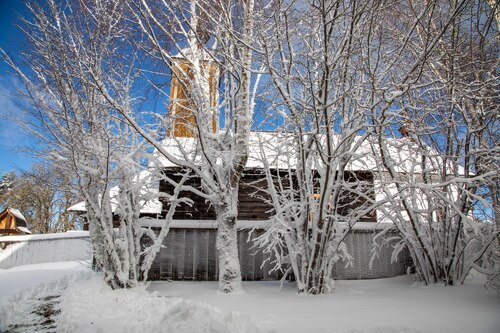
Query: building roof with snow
x=13 y=222
x=278 y=151
x=152 y=206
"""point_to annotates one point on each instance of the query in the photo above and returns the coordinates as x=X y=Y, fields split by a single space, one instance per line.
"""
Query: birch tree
x=207 y=35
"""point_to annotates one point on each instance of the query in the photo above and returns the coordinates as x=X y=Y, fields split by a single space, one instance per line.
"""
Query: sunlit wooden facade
x=12 y=222
x=181 y=105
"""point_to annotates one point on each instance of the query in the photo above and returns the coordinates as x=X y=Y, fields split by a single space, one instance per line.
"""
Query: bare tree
x=81 y=131
x=7 y=183
x=310 y=50
x=83 y=90
x=43 y=198
x=446 y=113
x=197 y=41
x=350 y=77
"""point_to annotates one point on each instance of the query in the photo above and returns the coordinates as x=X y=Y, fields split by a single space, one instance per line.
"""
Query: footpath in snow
x=69 y=297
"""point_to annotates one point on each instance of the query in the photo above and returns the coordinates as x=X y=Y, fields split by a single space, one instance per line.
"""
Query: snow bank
x=90 y=306
x=83 y=303
x=26 y=290
x=395 y=305
x=19 y=278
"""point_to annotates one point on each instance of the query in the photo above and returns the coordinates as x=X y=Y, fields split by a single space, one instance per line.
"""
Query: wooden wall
x=359 y=244
x=252 y=203
x=200 y=210
x=251 y=206
x=190 y=254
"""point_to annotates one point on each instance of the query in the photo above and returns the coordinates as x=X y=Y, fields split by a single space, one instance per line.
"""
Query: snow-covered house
x=189 y=250
x=13 y=222
x=252 y=205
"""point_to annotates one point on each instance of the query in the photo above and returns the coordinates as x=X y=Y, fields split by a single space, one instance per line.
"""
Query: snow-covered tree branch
x=445 y=194
x=310 y=49
x=200 y=42
x=76 y=50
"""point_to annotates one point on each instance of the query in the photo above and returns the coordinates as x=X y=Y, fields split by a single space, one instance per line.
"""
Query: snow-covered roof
x=152 y=206
x=17 y=214
x=24 y=229
x=277 y=150
x=20 y=221
x=149 y=207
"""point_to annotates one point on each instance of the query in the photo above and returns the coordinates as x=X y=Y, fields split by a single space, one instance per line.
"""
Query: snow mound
x=90 y=306
x=27 y=310
x=82 y=303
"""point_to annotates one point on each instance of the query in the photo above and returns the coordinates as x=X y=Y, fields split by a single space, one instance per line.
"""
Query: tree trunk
x=227 y=245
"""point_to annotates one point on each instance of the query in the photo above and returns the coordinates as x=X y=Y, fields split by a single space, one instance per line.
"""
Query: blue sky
x=12 y=137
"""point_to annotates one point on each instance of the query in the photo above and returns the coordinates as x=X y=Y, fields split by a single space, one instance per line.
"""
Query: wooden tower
x=182 y=108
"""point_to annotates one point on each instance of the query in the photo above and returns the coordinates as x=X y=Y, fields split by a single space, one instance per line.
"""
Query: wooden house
x=12 y=222
x=189 y=251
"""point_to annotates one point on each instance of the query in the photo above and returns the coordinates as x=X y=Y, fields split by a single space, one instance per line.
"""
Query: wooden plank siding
x=252 y=199
x=199 y=210
x=190 y=254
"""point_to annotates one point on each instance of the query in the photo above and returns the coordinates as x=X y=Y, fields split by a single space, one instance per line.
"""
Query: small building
x=12 y=222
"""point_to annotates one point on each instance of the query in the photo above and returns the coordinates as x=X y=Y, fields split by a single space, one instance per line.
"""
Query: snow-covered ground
x=384 y=305
x=68 y=297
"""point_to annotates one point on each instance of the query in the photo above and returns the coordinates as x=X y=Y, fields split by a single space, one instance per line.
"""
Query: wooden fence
x=36 y=249
x=190 y=254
